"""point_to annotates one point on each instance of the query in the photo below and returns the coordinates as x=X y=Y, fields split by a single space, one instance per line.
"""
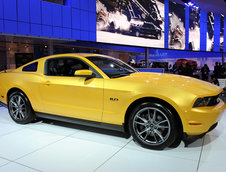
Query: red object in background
x=192 y=63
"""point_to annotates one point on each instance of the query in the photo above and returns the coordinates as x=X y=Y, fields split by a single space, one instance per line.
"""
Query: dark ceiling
x=216 y=6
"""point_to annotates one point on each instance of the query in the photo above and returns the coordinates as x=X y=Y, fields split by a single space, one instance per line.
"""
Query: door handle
x=47 y=83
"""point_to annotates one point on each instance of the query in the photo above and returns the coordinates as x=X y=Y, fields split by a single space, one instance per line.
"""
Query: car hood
x=195 y=86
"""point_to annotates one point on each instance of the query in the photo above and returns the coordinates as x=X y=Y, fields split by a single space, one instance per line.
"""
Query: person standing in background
x=205 y=72
x=216 y=70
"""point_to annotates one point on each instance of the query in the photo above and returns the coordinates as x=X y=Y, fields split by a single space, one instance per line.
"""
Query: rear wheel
x=158 y=36
x=20 y=108
x=137 y=33
x=153 y=126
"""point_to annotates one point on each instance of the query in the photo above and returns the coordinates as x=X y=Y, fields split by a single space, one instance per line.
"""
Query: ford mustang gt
x=97 y=90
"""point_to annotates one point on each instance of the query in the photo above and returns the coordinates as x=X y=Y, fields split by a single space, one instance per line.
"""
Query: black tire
x=137 y=33
x=177 y=141
x=153 y=126
x=20 y=109
x=158 y=36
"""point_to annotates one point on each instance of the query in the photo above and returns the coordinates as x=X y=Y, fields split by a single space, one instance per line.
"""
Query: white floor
x=44 y=146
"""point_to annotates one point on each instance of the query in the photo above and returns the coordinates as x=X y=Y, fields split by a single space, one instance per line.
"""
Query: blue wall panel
x=36 y=29
x=47 y=31
x=186 y=27
x=92 y=22
x=23 y=10
x=67 y=33
x=92 y=5
x=23 y=28
x=57 y=32
x=175 y=54
x=1 y=26
x=10 y=10
x=57 y=15
x=67 y=2
x=84 y=4
x=47 y=13
x=76 y=19
x=76 y=34
x=35 y=11
x=85 y=35
x=92 y=36
x=1 y=9
x=75 y=3
x=10 y=26
x=66 y=16
x=166 y=41
x=224 y=48
x=217 y=20
x=84 y=20
x=203 y=30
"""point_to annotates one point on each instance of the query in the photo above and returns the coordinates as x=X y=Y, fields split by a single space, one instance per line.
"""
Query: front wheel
x=153 y=126
x=20 y=108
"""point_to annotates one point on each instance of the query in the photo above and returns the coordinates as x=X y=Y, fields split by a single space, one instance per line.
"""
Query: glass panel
x=31 y=68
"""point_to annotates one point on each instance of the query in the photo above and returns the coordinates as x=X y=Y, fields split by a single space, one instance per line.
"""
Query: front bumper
x=190 y=139
x=200 y=119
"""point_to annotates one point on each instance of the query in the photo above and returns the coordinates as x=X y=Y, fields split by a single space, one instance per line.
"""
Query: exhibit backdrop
x=194 y=29
x=131 y=22
x=210 y=31
x=176 y=26
x=222 y=34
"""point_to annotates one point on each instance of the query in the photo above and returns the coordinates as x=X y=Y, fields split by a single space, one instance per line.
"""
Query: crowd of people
x=203 y=73
x=219 y=72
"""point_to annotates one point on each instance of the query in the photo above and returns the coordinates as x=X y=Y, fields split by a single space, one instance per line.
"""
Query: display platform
x=49 y=146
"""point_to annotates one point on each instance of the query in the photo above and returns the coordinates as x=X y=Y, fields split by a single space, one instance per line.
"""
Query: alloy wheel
x=17 y=107
x=151 y=126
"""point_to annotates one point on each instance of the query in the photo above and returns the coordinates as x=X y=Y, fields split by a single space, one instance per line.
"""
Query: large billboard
x=210 y=31
x=222 y=34
x=176 y=26
x=131 y=22
x=194 y=29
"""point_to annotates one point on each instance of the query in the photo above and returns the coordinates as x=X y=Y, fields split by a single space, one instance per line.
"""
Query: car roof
x=76 y=55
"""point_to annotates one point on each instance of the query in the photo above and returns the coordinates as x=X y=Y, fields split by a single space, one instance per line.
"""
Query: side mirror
x=84 y=73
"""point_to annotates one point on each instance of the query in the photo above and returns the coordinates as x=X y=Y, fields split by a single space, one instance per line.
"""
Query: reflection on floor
x=52 y=147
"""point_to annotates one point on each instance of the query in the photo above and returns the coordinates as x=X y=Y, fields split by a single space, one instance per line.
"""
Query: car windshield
x=112 y=67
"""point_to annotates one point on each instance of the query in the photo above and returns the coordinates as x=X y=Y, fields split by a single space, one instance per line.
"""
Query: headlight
x=206 y=101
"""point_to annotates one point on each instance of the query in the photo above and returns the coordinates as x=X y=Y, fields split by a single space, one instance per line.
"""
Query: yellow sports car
x=96 y=90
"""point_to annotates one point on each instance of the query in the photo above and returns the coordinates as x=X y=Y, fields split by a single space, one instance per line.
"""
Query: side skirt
x=3 y=105
x=119 y=128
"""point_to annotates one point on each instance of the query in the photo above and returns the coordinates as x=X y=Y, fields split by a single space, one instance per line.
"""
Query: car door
x=66 y=95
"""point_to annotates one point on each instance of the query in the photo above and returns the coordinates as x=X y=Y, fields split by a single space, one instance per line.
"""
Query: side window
x=31 y=67
x=65 y=66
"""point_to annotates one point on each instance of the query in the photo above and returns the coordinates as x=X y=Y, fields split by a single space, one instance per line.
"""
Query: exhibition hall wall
x=129 y=22
x=76 y=19
x=183 y=28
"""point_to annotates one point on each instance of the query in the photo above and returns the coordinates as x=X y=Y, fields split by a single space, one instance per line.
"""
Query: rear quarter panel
x=28 y=82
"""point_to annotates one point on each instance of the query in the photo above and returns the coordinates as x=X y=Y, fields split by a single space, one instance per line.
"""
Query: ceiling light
x=190 y=4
